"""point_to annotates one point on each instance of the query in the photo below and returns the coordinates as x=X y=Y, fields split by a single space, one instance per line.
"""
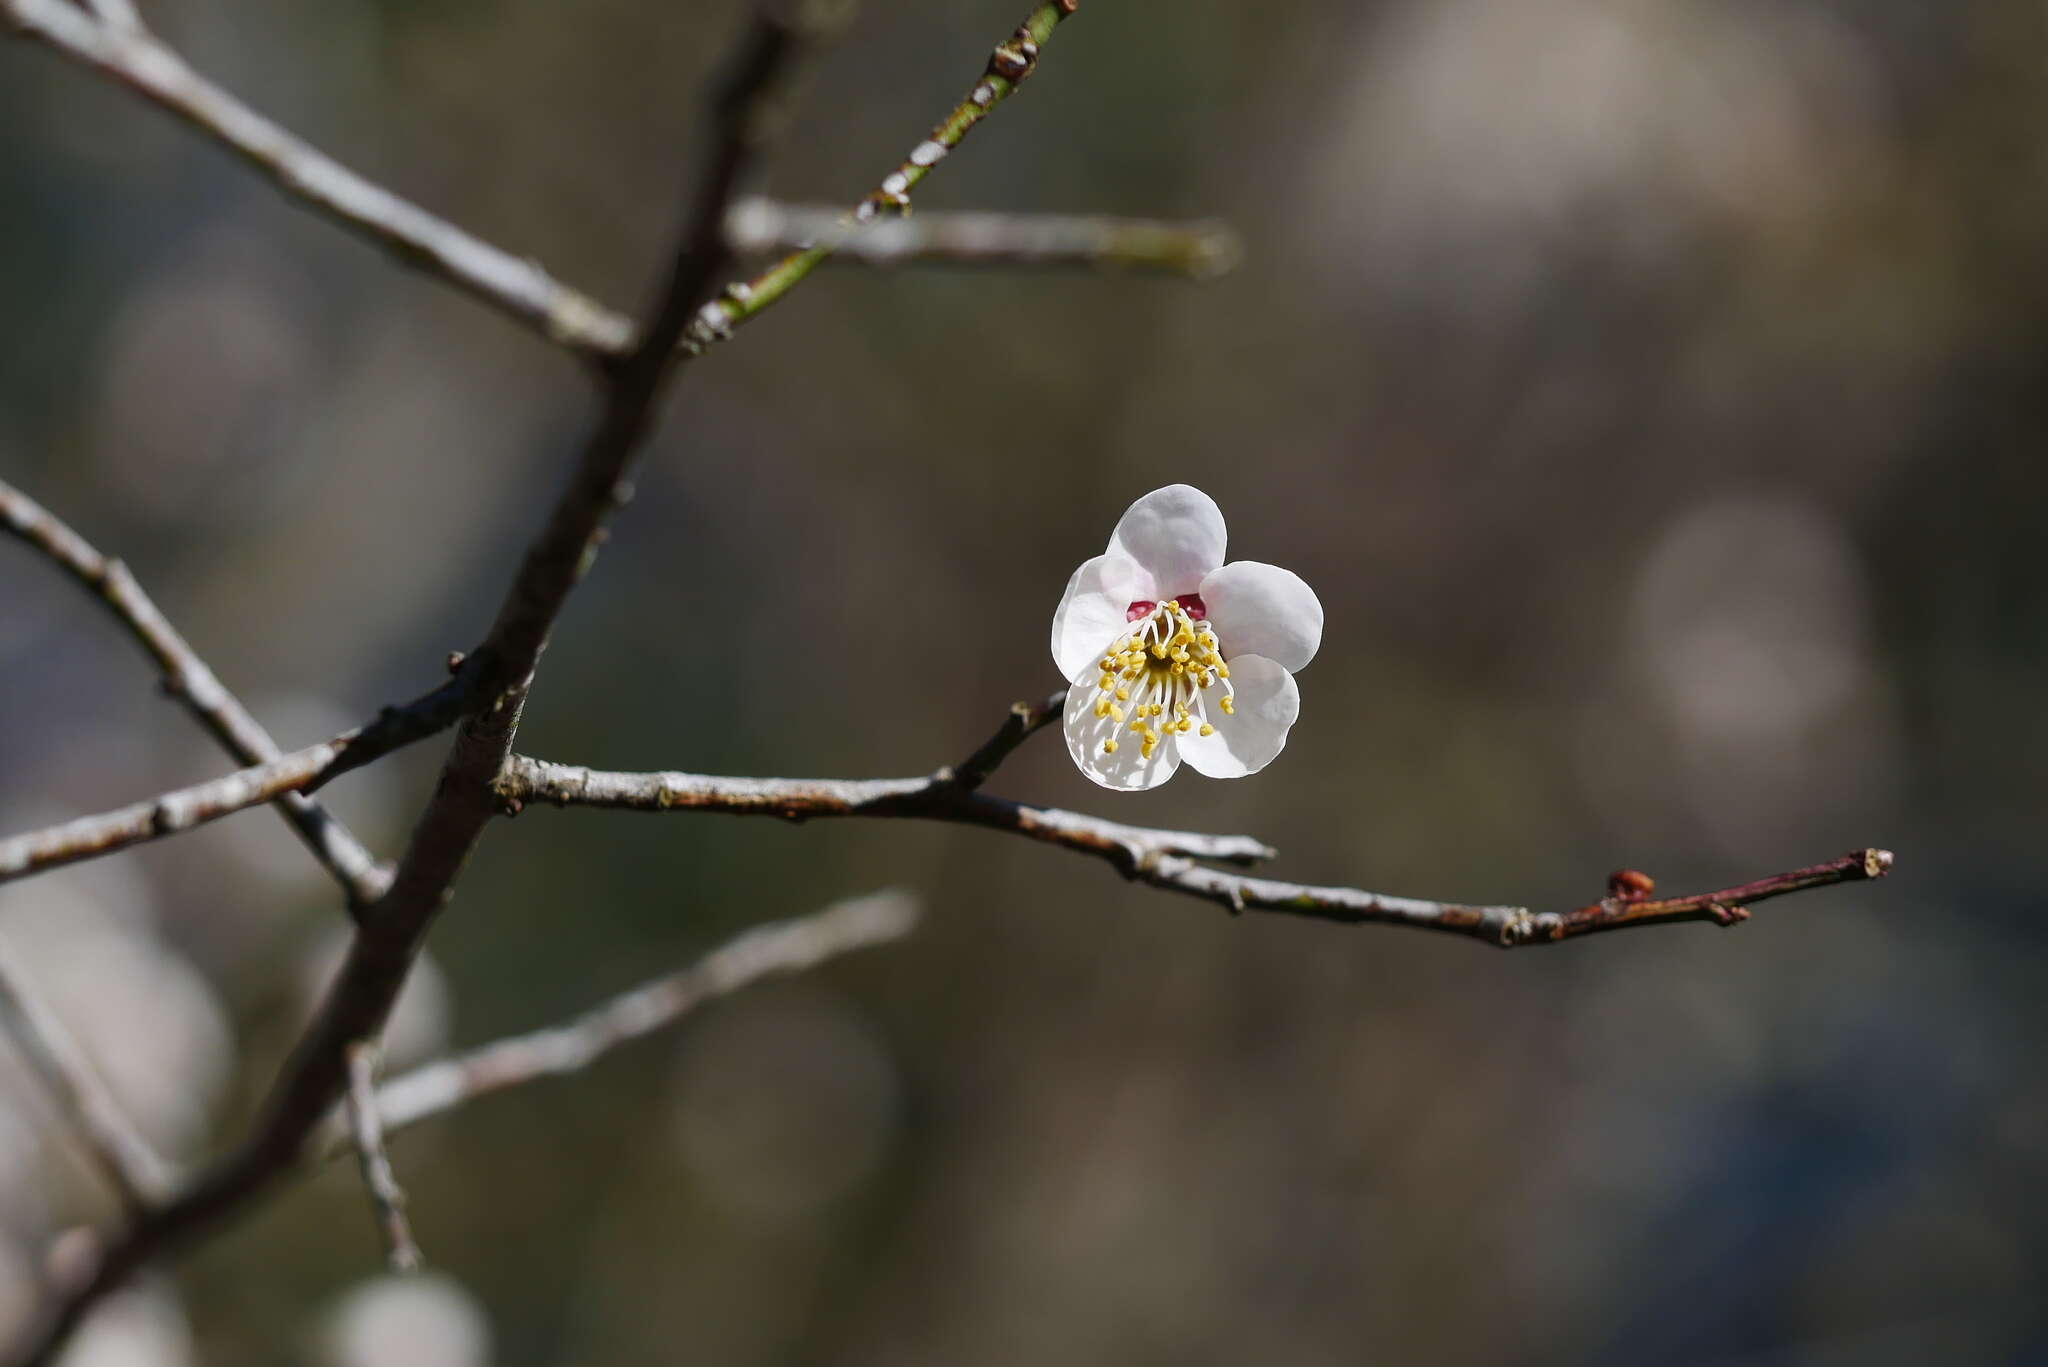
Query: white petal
x=1094 y=611
x=1127 y=769
x=1263 y=610
x=1175 y=534
x=1248 y=737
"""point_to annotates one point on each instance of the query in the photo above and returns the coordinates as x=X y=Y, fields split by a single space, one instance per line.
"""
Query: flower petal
x=1093 y=612
x=1264 y=610
x=1248 y=737
x=1127 y=769
x=1175 y=534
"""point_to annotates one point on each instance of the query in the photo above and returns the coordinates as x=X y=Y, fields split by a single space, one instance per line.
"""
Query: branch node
x=1630 y=885
x=1727 y=914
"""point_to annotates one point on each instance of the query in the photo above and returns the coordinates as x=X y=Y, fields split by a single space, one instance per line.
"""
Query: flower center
x=1159 y=674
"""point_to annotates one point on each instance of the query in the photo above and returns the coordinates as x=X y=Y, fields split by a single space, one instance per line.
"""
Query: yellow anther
x=1103 y=683
x=1207 y=730
x=1116 y=712
x=1109 y=747
x=1102 y=707
x=1158 y=651
x=1179 y=668
x=1122 y=694
x=1229 y=709
x=1139 y=724
x=1222 y=671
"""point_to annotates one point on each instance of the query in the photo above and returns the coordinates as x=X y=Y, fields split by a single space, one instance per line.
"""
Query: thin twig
x=139 y=1177
x=366 y=1132
x=1012 y=62
x=519 y=287
x=772 y=950
x=1026 y=720
x=1200 y=251
x=184 y=809
x=931 y=798
x=1162 y=859
x=187 y=678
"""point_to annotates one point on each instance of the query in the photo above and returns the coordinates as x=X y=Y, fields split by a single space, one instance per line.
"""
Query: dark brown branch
x=1505 y=926
x=366 y=1133
x=138 y=1176
x=1026 y=719
x=187 y=678
x=1200 y=251
x=772 y=950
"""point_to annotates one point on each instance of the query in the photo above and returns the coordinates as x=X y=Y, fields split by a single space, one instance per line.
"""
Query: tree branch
x=366 y=1132
x=773 y=950
x=493 y=679
x=138 y=60
x=184 y=809
x=139 y=1177
x=1200 y=251
x=187 y=678
x=109 y=38
x=932 y=798
x=1012 y=62
x=1159 y=858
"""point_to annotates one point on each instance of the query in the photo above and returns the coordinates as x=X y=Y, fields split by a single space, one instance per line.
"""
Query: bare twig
x=1163 y=859
x=932 y=798
x=145 y=65
x=766 y=951
x=169 y=814
x=187 y=678
x=184 y=809
x=117 y=1148
x=1505 y=926
x=366 y=1132
x=1200 y=251
x=1013 y=60
x=1026 y=719
x=124 y=50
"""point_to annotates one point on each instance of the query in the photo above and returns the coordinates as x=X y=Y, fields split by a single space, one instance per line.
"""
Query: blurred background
x=1653 y=390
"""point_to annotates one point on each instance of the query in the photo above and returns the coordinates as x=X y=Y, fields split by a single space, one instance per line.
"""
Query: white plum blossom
x=1174 y=655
